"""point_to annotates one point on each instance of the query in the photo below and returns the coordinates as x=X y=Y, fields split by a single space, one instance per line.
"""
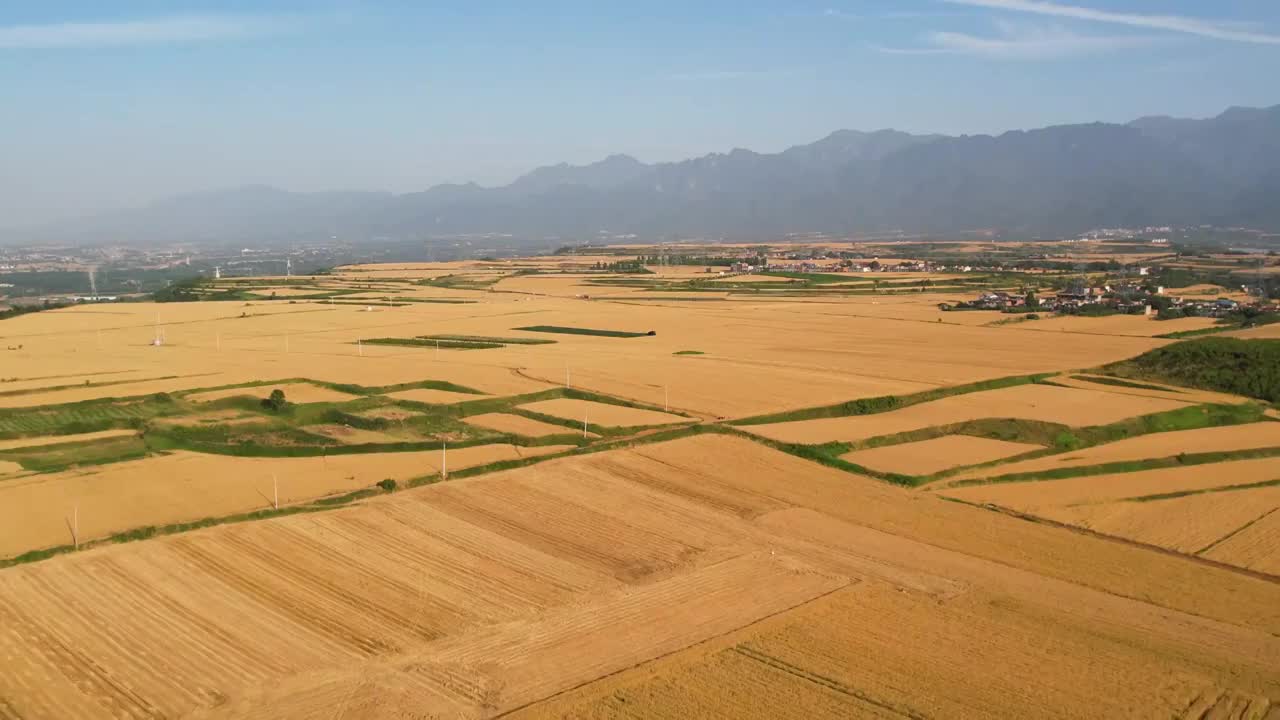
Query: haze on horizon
x=115 y=107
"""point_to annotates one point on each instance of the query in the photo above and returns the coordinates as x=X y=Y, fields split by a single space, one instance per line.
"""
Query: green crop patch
x=489 y=339
x=584 y=331
x=433 y=344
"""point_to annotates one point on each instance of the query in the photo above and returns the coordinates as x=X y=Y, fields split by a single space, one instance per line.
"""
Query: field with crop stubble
x=784 y=505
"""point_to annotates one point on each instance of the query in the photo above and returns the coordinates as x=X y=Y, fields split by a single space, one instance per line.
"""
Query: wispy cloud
x=155 y=31
x=1219 y=30
x=1013 y=41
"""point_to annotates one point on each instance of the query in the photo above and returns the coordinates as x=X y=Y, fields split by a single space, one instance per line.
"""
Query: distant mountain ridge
x=1060 y=179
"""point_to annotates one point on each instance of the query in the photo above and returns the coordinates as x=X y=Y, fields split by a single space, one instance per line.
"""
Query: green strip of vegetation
x=1118 y=382
x=583 y=331
x=491 y=339
x=458 y=282
x=384 y=389
x=688 y=352
x=433 y=344
x=55 y=458
x=85 y=416
x=885 y=403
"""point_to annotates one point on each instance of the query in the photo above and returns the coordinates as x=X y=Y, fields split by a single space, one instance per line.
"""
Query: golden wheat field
x=1194 y=524
x=932 y=456
x=1033 y=496
x=517 y=425
x=184 y=486
x=171 y=547
x=636 y=579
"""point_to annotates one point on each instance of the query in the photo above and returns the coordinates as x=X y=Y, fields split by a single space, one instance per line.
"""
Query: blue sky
x=115 y=104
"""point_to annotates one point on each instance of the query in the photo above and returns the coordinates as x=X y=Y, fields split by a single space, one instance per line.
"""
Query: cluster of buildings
x=1127 y=299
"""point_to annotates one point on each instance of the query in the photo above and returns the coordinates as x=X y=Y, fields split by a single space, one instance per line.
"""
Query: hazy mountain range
x=1056 y=180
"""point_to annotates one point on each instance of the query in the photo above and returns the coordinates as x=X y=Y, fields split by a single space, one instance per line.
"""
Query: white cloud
x=157 y=31
x=1013 y=41
x=1220 y=30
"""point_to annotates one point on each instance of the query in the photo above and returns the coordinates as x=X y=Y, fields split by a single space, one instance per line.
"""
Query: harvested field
x=1255 y=546
x=708 y=575
x=433 y=397
x=1188 y=524
x=293 y=392
x=806 y=353
x=853 y=654
x=183 y=486
x=9 y=468
x=517 y=425
x=60 y=439
x=1068 y=406
x=597 y=413
x=1156 y=445
x=636 y=582
x=932 y=456
x=1043 y=495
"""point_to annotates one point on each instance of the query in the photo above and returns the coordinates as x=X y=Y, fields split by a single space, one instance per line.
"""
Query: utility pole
x=444 y=459
x=275 y=492
x=75 y=526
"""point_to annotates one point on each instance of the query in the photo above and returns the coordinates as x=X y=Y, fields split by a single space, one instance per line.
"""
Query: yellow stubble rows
x=484 y=596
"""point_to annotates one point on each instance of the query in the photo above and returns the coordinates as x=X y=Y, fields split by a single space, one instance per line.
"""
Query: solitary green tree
x=275 y=401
